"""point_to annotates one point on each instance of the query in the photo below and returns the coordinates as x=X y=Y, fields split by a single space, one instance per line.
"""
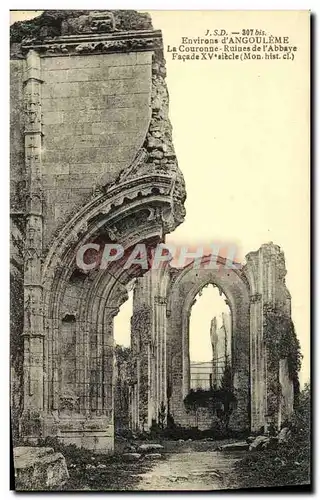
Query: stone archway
x=74 y=372
x=117 y=182
x=251 y=290
x=233 y=283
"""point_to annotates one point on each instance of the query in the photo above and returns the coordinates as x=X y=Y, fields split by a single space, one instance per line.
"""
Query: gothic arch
x=74 y=375
x=188 y=283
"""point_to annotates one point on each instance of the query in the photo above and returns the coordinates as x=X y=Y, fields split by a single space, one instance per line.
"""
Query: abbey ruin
x=92 y=160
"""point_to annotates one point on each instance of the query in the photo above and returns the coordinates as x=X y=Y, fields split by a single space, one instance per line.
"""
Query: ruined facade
x=251 y=290
x=92 y=161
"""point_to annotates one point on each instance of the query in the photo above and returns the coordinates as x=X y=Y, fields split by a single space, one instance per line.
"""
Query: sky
x=241 y=135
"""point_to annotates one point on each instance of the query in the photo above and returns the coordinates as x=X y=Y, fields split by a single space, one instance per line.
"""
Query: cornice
x=126 y=41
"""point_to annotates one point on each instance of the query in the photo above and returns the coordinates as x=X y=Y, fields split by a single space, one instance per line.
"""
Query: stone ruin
x=92 y=160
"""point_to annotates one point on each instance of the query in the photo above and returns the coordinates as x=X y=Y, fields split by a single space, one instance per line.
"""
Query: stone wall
x=96 y=111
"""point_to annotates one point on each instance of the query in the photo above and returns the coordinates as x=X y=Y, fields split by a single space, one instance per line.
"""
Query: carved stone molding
x=96 y=44
x=257 y=297
x=55 y=23
x=162 y=301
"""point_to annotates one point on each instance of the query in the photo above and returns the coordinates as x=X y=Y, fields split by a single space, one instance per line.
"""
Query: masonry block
x=39 y=469
x=89 y=61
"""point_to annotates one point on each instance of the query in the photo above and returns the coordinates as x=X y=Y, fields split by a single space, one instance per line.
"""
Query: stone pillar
x=160 y=336
x=33 y=317
x=265 y=270
x=149 y=296
x=214 y=344
x=257 y=356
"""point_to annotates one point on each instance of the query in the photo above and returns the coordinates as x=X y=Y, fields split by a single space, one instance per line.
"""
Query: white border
x=149 y=5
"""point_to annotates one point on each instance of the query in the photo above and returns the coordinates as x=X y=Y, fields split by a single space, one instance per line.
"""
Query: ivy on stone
x=282 y=342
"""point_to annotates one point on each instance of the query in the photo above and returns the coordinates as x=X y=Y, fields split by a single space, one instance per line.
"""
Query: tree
x=226 y=396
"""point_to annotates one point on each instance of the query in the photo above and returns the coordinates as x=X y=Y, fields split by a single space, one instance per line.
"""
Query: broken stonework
x=38 y=469
x=242 y=445
x=150 y=447
x=131 y=457
x=153 y=456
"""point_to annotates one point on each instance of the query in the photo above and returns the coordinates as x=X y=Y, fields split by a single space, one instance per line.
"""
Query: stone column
x=160 y=336
x=33 y=292
x=257 y=355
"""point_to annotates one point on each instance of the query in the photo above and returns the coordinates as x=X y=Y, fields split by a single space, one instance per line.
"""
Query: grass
x=285 y=466
x=288 y=464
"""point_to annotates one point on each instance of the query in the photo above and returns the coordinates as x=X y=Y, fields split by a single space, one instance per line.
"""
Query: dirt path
x=206 y=470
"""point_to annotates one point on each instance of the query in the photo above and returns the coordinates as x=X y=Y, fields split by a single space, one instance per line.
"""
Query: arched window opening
x=210 y=340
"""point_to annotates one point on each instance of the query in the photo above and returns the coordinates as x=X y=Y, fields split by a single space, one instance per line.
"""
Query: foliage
x=162 y=415
x=140 y=325
x=140 y=328
x=16 y=349
x=122 y=354
x=287 y=464
x=226 y=380
x=208 y=398
x=302 y=414
x=282 y=342
x=90 y=470
x=121 y=402
x=220 y=402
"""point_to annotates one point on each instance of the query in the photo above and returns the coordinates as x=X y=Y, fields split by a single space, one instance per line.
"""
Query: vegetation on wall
x=121 y=400
x=16 y=347
x=282 y=342
x=140 y=328
x=219 y=402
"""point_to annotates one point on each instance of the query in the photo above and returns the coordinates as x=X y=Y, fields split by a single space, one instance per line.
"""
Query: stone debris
x=150 y=447
x=242 y=445
x=259 y=442
x=131 y=457
x=90 y=466
x=250 y=439
x=38 y=469
x=284 y=435
x=130 y=449
x=153 y=456
x=206 y=473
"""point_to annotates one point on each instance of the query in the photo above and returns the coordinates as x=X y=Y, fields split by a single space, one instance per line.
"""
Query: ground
x=193 y=470
x=184 y=465
x=188 y=465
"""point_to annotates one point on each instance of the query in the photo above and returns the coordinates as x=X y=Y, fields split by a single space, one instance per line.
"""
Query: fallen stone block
x=153 y=456
x=38 y=469
x=259 y=443
x=131 y=457
x=284 y=435
x=250 y=439
x=150 y=447
x=242 y=445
